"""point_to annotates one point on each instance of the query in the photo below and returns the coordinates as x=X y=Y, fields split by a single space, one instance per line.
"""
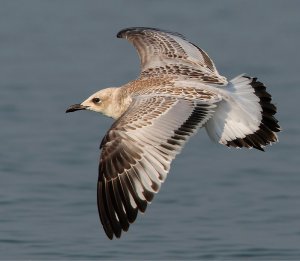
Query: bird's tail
x=245 y=116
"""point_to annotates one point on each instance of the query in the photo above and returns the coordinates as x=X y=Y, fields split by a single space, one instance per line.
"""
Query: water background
x=217 y=203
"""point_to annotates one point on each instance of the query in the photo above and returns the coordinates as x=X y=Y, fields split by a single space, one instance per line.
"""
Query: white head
x=103 y=101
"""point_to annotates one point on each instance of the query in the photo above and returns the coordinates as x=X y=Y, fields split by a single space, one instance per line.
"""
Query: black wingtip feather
x=102 y=209
x=117 y=205
x=130 y=211
x=115 y=224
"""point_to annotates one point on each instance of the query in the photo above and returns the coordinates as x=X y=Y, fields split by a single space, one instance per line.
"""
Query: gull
x=178 y=91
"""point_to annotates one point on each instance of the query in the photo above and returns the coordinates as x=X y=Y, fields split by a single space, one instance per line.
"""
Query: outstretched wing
x=137 y=152
x=168 y=53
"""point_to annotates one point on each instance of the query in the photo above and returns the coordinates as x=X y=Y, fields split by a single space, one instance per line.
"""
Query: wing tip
x=122 y=33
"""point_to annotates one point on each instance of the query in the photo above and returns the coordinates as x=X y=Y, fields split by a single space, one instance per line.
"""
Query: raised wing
x=137 y=152
x=168 y=53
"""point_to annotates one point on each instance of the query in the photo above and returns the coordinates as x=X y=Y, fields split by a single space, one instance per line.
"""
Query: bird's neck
x=119 y=103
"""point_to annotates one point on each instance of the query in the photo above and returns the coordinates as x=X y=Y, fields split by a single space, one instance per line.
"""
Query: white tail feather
x=244 y=118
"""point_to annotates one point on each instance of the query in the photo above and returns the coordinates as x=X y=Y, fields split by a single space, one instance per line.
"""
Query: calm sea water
x=217 y=203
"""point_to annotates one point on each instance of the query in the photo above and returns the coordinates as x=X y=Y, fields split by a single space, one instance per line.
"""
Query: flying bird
x=179 y=90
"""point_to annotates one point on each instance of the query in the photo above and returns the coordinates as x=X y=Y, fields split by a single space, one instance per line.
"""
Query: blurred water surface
x=217 y=203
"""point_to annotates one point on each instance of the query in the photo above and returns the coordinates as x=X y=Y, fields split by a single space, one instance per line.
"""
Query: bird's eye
x=95 y=100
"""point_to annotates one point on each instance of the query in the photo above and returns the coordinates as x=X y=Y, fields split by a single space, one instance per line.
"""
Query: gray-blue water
x=217 y=203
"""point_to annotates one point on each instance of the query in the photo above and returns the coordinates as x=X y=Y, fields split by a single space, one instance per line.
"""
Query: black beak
x=75 y=107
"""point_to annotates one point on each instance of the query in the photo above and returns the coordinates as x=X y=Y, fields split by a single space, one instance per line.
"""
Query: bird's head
x=102 y=101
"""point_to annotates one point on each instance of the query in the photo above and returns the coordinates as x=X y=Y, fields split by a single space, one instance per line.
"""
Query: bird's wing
x=168 y=53
x=137 y=152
